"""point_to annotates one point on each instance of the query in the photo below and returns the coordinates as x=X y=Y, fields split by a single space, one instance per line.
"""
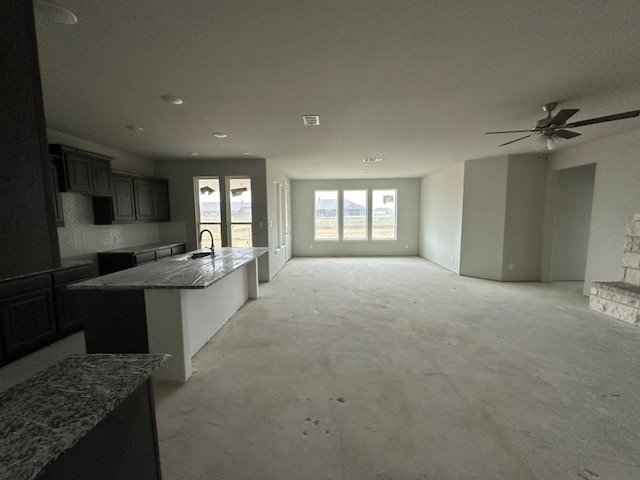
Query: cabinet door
x=67 y=309
x=102 y=181
x=144 y=199
x=27 y=322
x=123 y=206
x=160 y=191
x=79 y=177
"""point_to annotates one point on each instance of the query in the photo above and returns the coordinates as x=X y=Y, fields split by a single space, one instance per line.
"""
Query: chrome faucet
x=210 y=234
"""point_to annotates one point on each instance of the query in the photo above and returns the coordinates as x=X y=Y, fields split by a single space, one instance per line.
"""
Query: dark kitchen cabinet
x=67 y=302
x=83 y=172
x=123 y=205
x=38 y=309
x=27 y=317
x=160 y=193
x=57 y=197
x=144 y=199
x=135 y=199
x=128 y=257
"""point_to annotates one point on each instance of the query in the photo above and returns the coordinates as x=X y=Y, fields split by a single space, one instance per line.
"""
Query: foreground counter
x=87 y=416
x=171 y=306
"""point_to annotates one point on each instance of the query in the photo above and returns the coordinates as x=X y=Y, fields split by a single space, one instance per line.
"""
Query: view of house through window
x=210 y=211
x=359 y=210
x=326 y=215
x=354 y=211
x=383 y=215
x=240 y=212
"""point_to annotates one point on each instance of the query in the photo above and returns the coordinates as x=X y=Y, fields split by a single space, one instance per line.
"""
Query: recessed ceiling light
x=135 y=128
x=371 y=160
x=247 y=153
x=193 y=153
x=361 y=171
x=311 y=120
x=55 y=12
x=171 y=99
x=220 y=135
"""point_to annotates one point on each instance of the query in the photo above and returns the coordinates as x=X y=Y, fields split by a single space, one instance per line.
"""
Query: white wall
x=303 y=205
x=572 y=222
x=80 y=238
x=441 y=216
x=616 y=197
x=279 y=255
x=483 y=217
x=182 y=201
x=523 y=218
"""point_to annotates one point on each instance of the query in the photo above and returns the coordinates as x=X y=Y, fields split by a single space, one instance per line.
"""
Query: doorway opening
x=572 y=223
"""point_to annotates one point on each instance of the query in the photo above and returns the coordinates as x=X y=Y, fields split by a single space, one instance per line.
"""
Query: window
x=354 y=211
x=208 y=190
x=326 y=215
x=240 y=212
x=383 y=214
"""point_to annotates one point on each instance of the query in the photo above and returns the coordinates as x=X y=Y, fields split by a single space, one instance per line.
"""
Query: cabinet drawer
x=178 y=249
x=163 y=252
x=141 y=258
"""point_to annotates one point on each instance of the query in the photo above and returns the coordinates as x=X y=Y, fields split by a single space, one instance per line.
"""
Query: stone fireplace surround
x=621 y=299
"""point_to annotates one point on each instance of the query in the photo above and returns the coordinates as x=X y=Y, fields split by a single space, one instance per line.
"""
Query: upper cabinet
x=135 y=199
x=83 y=172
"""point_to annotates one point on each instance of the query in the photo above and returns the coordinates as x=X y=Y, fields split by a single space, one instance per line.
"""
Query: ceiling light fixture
x=193 y=154
x=135 y=128
x=371 y=160
x=173 y=100
x=220 y=135
x=55 y=12
x=247 y=153
x=311 y=120
x=553 y=142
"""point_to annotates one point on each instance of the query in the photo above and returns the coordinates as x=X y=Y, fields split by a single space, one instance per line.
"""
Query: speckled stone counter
x=46 y=415
x=179 y=271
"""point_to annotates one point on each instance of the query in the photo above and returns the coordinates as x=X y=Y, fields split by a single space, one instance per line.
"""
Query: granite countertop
x=65 y=264
x=49 y=413
x=178 y=271
x=148 y=247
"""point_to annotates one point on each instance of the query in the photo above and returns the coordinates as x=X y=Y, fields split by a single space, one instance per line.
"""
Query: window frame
x=395 y=215
x=315 y=215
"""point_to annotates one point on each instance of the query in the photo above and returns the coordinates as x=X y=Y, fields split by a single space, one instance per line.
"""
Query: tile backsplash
x=80 y=238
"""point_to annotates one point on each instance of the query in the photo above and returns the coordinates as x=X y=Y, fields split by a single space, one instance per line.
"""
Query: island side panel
x=252 y=278
x=168 y=332
x=209 y=309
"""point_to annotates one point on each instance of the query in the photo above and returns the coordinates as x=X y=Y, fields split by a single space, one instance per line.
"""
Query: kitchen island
x=174 y=305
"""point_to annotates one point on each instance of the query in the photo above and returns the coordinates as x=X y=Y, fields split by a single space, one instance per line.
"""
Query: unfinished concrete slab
x=393 y=368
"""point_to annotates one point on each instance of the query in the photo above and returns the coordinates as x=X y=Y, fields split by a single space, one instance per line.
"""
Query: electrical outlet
x=310 y=247
x=511 y=266
x=406 y=246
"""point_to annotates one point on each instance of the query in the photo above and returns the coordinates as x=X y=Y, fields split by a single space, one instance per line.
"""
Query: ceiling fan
x=553 y=127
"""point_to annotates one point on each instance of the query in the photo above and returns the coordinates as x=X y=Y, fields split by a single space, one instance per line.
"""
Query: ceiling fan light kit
x=553 y=128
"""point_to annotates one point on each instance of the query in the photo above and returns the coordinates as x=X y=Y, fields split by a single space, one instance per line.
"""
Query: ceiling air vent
x=371 y=160
x=311 y=120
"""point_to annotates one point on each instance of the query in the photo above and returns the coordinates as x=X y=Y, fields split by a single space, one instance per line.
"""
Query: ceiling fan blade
x=562 y=116
x=510 y=131
x=516 y=140
x=607 y=118
x=566 y=134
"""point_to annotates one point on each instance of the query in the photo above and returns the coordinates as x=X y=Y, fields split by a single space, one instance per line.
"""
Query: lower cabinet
x=27 y=317
x=37 y=310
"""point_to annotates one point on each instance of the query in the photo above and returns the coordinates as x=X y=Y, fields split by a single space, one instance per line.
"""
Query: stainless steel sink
x=200 y=255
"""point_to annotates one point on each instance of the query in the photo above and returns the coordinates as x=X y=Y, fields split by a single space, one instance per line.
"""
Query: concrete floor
x=397 y=369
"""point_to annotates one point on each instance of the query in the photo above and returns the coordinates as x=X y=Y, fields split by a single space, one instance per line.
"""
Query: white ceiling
x=415 y=82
